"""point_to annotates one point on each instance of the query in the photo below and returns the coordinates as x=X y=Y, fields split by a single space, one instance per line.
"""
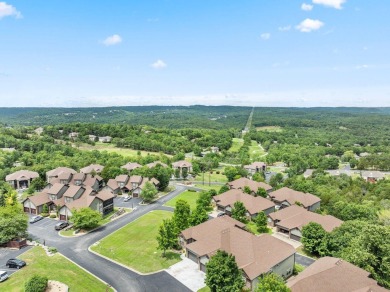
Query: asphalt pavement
x=303 y=260
x=6 y=254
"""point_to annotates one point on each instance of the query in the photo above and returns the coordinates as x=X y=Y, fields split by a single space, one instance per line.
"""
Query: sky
x=283 y=53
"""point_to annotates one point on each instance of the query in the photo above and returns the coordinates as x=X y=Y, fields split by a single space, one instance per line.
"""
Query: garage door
x=203 y=268
x=295 y=237
x=62 y=217
x=27 y=209
x=33 y=211
x=135 y=195
x=192 y=256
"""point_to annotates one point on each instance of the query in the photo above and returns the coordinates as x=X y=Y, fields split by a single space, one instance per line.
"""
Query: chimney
x=225 y=240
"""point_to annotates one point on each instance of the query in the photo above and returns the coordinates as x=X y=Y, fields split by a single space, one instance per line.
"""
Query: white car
x=126 y=199
x=3 y=276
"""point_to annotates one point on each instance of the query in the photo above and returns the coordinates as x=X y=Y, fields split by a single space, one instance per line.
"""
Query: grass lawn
x=303 y=251
x=212 y=177
x=255 y=152
x=135 y=245
x=237 y=143
x=206 y=186
x=251 y=226
x=56 y=268
x=269 y=129
x=110 y=148
x=204 y=289
x=188 y=196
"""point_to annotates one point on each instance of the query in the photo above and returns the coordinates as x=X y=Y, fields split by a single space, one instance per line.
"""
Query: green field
x=269 y=129
x=255 y=151
x=212 y=177
x=251 y=226
x=135 y=245
x=237 y=143
x=56 y=268
x=110 y=148
x=188 y=196
x=206 y=186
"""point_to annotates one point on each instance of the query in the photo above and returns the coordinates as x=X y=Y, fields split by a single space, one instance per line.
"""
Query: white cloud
x=359 y=67
x=330 y=3
x=8 y=10
x=306 y=7
x=284 y=28
x=265 y=36
x=112 y=40
x=309 y=25
x=159 y=64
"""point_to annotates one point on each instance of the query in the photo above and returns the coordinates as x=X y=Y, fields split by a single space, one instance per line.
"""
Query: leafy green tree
x=272 y=282
x=276 y=180
x=239 y=212
x=204 y=200
x=262 y=192
x=247 y=190
x=2 y=200
x=198 y=216
x=351 y=211
x=149 y=192
x=167 y=237
x=45 y=209
x=13 y=223
x=36 y=283
x=261 y=222
x=234 y=172
x=222 y=273
x=313 y=235
x=223 y=189
x=184 y=172
x=85 y=218
x=259 y=177
x=36 y=185
x=177 y=172
x=181 y=215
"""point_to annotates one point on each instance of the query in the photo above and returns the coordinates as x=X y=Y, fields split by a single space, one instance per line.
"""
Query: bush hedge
x=36 y=284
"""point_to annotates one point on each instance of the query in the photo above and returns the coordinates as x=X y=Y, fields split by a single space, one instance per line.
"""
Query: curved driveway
x=120 y=278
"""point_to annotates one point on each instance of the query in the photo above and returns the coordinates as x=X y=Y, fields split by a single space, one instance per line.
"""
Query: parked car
x=3 y=276
x=15 y=263
x=61 y=225
x=221 y=214
x=35 y=218
x=126 y=199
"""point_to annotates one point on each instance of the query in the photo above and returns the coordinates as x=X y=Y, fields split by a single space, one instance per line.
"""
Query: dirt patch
x=55 y=286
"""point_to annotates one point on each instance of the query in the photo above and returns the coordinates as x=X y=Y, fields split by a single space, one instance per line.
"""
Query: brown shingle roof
x=112 y=184
x=253 y=185
x=57 y=171
x=72 y=191
x=255 y=255
x=39 y=199
x=64 y=176
x=79 y=176
x=297 y=217
x=253 y=204
x=22 y=175
x=181 y=163
x=122 y=178
x=104 y=195
x=292 y=196
x=154 y=164
x=135 y=179
x=93 y=167
x=333 y=275
x=56 y=188
x=83 y=202
x=131 y=166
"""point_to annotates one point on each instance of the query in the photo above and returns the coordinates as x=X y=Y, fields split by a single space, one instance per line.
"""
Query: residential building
x=59 y=171
x=330 y=274
x=154 y=164
x=182 y=165
x=92 y=168
x=92 y=138
x=73 y=135
x=253 y=205
x=243 y=182
x=214 y=149
x=372 y=176
x=21 y=179
x=129 y=184
x=38 y=131
x=255 y=167
x=130 y=166
x=255 y=255
x=285 y=197
x=105 y=139
x=292 y=219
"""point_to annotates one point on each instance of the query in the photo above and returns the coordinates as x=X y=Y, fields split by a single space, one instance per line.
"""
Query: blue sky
x=175 y=52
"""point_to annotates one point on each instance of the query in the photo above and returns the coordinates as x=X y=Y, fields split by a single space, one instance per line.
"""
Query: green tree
x=222 y=273
x=204 y=200
x=36 y=283
x=181 y=215
x=177 y=172
x=261 y=222
x=184 y=172
x=85 y=218
x=239 y=212
x=167 y=237
x=247 y=190
x=36 y=185
x=223 y=189
x=149 y=192
x=271 y=283
x=313 y=235
x=13 y=223
x=198 y=216
x=276 y=180
x=262 y=192
x=45 y=209
x=259 y=177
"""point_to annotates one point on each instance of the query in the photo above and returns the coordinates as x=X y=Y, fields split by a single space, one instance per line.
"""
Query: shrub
x=217 y=172
x=53 y=216
x=36 y=284
x=52 y=249
x=44 y=214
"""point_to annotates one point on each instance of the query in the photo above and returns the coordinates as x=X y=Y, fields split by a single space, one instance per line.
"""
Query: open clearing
x=270 y=129
x=255 y=151
x=237 y=143
x=38 y=263
x=189 y=196
x=135 y=245
x=121 y=151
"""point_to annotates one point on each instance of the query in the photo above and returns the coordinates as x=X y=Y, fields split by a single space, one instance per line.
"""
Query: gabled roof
x=72 y=191
x=39 y=199
x=297 y=217
x=135 y=179
x=373 y=174
x=79 y=176
x=122 y=178
x=112 y=184
x=154 y=164
x=252 y=204
x=93 y=167
x=105 y=195
x=292 y=196
x=242 y=182
x=22 y=175
x=329 y=274
x=64 y=176
x=181 y=163
x=57 y=171
x=255 y=255
x=56 y=188
x=83 y=202
x=131 y=166
x=91 y=180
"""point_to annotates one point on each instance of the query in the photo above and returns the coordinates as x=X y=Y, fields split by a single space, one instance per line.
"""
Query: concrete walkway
x=188 y=273
x=285 y=238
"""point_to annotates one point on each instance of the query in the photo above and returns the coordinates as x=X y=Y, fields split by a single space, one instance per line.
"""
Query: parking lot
x=6 y=254
x=42 y=229
x=133 y=202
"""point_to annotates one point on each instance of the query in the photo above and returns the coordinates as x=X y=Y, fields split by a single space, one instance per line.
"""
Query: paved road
x=303 y=260
x=122 y=279
x=6 y=254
